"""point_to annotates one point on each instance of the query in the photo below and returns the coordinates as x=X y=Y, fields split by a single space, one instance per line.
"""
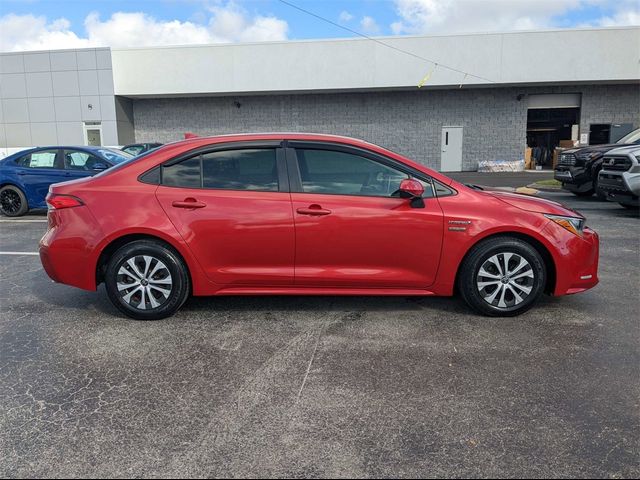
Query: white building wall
x=46 y=96
x=519 y=58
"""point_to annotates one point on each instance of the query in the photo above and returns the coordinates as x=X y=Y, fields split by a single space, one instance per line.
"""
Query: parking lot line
x=19 y=253
x=40 y=220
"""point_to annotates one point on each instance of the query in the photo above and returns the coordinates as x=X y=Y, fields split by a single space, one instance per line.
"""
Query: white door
x=451 y=160
x=93 y=134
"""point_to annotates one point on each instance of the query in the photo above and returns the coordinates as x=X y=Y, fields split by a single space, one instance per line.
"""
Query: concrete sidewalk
x=502 y=179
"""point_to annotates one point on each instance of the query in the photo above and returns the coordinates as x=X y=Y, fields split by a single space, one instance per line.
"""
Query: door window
x=185 y=174
x=251 y=169
x=241 y=170
x=41 y=159
x=77 y=160
x=341 y=173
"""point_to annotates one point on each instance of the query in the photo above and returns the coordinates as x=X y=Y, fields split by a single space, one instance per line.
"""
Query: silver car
x=619 y=178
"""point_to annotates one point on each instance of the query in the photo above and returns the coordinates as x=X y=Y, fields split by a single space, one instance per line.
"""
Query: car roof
x=239 y=137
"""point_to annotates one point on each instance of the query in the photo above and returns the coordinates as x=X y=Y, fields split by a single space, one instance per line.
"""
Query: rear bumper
x=67 y=253
x=576 y=259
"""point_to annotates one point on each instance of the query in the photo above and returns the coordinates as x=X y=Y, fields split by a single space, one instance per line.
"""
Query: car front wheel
x=502 y=276
x=147 y=280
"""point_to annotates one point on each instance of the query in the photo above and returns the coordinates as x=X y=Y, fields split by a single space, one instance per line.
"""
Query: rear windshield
x=127 y=161
x=115 y=156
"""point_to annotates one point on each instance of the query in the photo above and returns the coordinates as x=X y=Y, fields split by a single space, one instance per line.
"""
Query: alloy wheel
x=144 y=282
x=10 y=202
x=505 y=280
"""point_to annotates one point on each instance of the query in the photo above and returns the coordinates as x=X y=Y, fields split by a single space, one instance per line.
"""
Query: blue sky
x=34 y=24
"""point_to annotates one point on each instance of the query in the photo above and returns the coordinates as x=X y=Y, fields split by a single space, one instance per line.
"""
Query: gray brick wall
x=408 y=122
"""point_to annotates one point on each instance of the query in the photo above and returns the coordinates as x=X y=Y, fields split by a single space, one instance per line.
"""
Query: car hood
x=594 y=148
x=533 y=204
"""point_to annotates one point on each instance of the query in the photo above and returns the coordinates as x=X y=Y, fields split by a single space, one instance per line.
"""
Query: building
x=506 y=91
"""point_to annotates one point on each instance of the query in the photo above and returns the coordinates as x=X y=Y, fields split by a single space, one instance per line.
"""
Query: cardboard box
x=568 y=143
x=528 y=161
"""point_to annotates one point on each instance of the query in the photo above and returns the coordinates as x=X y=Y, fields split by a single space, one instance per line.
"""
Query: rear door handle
x=189 y=203
x=315 y=209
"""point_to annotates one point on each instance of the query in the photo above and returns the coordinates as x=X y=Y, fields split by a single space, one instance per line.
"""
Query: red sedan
x=303 y=214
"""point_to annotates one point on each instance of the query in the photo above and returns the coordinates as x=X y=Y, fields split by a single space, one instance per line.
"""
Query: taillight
x=59 y=202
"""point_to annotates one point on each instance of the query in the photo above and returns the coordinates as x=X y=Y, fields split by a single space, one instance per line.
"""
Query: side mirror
x=100 y=166
x=412 y=189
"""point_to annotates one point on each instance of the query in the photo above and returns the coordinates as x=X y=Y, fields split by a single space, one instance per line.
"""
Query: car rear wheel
x=502 y=276
x=13 y=203
x=147 y=280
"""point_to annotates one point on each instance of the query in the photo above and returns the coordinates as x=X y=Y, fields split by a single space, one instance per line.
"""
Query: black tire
x=599 y=193
x=171 y=275
x=499 y=249
x=13 y=202
x=586 y=193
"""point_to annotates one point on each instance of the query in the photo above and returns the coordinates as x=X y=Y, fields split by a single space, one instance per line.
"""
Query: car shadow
x=60 y=296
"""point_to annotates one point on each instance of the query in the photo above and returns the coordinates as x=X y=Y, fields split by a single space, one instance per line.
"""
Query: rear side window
x=241 y=170
x=341 y=173
x=77 y=160
x=251 y=169
x=42 y=159
x=186 y=174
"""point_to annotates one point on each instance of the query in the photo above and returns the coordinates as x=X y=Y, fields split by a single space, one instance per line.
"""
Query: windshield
x=631 y=138
x=115 y=156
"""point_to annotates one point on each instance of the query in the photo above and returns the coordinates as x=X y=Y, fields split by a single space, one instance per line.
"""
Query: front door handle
x=314 y=209
x=189 y=203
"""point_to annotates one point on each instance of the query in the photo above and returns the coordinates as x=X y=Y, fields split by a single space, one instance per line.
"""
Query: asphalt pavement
x=322 y=386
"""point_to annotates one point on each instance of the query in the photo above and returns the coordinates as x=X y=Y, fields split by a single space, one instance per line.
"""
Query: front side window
x=41 y=159
x=340 y=173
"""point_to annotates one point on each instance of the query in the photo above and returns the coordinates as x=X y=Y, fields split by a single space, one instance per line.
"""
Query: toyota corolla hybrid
x=306 y=214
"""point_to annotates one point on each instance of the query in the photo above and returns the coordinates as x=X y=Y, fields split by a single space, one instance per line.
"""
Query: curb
x=544 y=188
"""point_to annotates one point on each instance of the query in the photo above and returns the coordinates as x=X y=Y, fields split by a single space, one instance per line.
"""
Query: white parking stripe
x=24 y=221
x=19 y=253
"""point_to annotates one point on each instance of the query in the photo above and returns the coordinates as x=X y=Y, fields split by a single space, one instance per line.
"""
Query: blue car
x=25 y=176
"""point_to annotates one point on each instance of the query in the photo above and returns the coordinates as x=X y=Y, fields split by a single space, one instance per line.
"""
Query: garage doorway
x=451 y=159
x=552 y=122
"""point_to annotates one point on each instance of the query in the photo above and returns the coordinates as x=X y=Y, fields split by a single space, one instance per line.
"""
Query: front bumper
x=576 y=259
x=621 y=187
x=573 y=178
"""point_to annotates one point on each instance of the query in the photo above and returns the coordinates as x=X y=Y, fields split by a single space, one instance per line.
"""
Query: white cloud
x=450 y=16
x=454 y=16
x=369 y=25
x=28 y=32
x=227 y=23
x=345 y=16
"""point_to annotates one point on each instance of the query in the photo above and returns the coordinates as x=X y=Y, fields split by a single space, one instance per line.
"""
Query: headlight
x=573 y=224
